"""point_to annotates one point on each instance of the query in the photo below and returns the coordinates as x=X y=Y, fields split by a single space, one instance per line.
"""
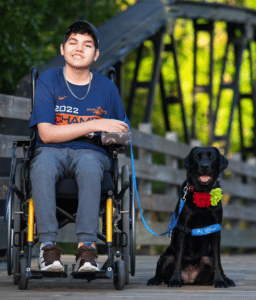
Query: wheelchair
x=118 y=230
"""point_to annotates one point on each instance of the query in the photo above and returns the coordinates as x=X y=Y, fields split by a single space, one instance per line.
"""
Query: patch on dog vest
x=206 y=230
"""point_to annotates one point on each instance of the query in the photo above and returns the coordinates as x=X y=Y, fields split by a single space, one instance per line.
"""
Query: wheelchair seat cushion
x=68 y=186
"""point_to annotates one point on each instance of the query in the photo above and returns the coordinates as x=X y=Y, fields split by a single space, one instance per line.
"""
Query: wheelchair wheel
x=13 y=247
x=23 y=280
x=132 y=228
x=120 y=274
x=125 y=207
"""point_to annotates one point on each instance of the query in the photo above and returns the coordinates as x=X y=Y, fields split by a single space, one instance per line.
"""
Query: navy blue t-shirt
x=55 y=104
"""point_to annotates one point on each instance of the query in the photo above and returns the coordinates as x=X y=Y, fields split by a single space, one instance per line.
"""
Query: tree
x=32 y=31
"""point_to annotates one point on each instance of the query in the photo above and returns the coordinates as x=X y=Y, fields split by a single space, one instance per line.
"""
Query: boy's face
x=79 y=51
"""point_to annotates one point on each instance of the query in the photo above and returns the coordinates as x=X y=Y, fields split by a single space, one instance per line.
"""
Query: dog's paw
x=230 y=282
x=174 y=283
x=154 y=281
x=221 y=284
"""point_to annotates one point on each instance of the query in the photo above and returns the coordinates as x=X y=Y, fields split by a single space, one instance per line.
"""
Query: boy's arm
x=50 y=133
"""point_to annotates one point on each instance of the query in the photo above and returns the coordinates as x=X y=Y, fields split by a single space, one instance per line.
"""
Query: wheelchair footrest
x=38 y=274
x=93 y=275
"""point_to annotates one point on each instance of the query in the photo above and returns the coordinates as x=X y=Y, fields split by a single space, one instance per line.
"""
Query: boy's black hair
x=83 y=27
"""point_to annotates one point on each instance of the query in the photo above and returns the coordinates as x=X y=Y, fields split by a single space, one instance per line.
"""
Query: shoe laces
x=86 y=253
x=51 y=253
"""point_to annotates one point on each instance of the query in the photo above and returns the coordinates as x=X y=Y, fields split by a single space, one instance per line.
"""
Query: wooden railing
x=160 y=173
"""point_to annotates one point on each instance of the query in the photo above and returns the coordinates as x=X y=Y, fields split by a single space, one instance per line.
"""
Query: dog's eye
x=211 y=156
x=197 y=157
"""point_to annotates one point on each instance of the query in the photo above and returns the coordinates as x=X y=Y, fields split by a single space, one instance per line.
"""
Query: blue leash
x=174 y=219
x=194 y=232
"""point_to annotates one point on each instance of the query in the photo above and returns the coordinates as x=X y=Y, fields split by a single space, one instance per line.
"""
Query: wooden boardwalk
x=241 y=268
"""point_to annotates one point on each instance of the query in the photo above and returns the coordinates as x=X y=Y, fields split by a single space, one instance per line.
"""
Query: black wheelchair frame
x=118 y=232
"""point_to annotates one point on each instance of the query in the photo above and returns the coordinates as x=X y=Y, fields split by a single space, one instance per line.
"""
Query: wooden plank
x=145 y=238
x=155 y=172
x=157 y=202
x=242 y=168
x=6 y=143
x=235 y=188
x=159 y=173
x=153 y=142
x=15 y=107
x=236 y=211
x=238 y=238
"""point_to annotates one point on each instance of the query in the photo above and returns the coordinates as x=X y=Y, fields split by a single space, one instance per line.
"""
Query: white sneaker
x=86 y=259
x=49 y=258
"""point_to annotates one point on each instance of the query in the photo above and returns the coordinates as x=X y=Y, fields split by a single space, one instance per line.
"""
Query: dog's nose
x=205 y=167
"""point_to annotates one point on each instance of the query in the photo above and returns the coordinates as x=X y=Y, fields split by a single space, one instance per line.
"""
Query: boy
x=72 y=106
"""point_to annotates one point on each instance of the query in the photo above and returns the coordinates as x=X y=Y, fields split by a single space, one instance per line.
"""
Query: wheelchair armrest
x=28 y=146
x=116 y=138
x=23 y=143
x=116 y=141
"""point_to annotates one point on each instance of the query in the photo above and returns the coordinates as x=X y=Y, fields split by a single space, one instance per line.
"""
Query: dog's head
x=204 y=164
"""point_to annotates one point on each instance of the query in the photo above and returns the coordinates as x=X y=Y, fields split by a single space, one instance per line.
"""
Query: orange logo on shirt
x=61 y=98
x=98 y=111
x=65 y=119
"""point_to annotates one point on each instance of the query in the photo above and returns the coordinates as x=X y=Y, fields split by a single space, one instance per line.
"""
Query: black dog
x=196 y=259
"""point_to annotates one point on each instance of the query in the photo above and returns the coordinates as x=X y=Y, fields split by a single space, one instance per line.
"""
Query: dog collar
x=205 y=200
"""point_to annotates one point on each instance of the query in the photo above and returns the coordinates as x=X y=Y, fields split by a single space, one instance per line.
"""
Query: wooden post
x=172 y=163
x=144 y=186
x=195 y=143
x=231 y=223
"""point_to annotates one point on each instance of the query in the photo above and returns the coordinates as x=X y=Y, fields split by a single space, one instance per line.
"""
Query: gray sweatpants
x=51 y=164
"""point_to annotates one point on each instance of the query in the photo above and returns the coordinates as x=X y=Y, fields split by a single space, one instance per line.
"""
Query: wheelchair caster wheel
x=23 y=280
x=119 y=276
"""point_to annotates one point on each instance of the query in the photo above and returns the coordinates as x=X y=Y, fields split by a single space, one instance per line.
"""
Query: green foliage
x=32 y=31
x=184 y=37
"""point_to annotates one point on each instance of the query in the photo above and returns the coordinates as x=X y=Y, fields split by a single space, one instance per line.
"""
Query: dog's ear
x=223 y=162
x=187 y=159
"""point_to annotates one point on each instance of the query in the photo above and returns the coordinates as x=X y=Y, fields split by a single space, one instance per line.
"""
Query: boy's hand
x=110 y=125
